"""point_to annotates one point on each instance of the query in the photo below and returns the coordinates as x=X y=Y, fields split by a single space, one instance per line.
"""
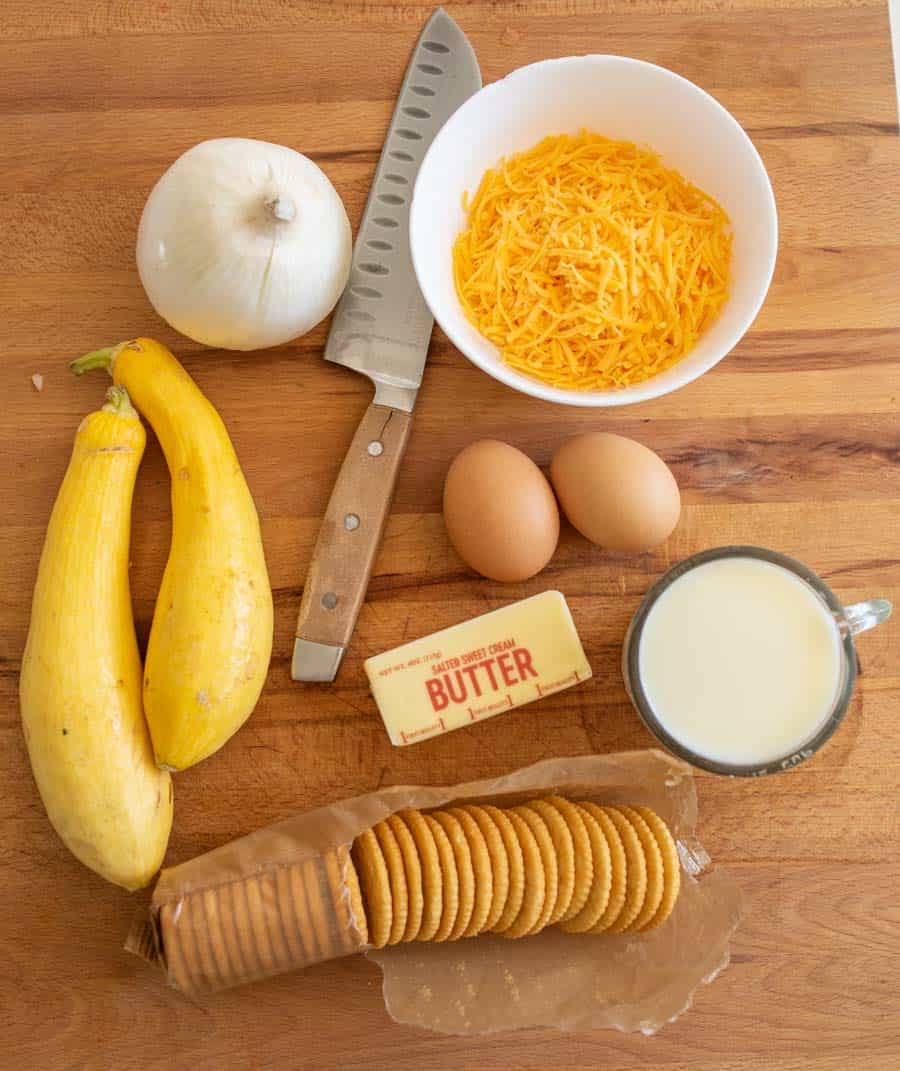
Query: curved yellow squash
x=211 y=638
x=80 y=687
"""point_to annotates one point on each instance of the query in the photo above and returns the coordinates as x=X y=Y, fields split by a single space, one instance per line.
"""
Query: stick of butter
x=477 y=669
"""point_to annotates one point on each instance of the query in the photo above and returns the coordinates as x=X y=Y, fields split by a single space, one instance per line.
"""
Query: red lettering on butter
x=436 y=693
x=461 y=686
x=508 y=670
x=489 y=668
x=472 y=673
x=523 y=663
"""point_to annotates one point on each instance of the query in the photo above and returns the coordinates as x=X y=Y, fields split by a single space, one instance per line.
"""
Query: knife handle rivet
x=329 y=600
x=351 y=522
x=375 y=448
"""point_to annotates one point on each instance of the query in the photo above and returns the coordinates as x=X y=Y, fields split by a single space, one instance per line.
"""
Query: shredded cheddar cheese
x=589 y=264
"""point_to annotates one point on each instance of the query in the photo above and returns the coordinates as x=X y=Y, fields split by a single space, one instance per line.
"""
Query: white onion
x=243 y=244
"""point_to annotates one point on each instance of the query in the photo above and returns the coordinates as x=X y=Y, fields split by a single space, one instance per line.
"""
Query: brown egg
x=500 y=512
x=615 y=491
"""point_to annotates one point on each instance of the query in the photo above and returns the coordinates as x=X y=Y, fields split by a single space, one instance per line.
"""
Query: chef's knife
x=381 y=328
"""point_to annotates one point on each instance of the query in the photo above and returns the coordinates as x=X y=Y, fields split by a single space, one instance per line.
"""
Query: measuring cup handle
x=865 y=615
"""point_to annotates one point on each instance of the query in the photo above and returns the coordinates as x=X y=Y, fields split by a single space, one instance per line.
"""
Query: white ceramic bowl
x=620 y=98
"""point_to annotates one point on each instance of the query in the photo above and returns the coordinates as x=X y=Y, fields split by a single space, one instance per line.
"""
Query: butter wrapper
x=284 y=897
x=479 y=668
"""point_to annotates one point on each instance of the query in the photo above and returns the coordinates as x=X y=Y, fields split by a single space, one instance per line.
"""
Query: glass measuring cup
x=848 y=622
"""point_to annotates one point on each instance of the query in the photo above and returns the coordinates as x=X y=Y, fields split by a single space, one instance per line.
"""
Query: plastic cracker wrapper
x=286 y=897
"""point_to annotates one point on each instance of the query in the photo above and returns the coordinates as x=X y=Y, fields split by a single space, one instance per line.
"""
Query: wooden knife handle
x=351 y=531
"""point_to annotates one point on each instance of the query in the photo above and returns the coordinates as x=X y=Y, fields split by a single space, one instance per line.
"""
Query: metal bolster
x=395 y=397
x=315 y=661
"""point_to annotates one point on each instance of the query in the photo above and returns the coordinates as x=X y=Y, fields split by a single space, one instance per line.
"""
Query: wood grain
x=792 y=443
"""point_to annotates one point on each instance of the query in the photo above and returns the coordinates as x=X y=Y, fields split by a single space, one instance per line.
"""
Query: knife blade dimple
x=381 y=326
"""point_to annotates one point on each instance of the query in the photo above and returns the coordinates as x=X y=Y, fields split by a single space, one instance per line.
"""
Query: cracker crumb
x=38 y=380
x=426 y=992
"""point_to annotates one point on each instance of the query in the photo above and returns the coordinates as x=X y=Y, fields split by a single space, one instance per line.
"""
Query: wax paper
x=572 y=982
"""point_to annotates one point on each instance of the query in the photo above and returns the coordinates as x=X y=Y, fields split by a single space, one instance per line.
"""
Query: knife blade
x=381 y=329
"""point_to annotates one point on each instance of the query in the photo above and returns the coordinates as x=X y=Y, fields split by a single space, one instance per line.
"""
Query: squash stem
x=104 y=358
x=118 y=402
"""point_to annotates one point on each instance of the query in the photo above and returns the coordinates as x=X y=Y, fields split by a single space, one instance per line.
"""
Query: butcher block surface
x=792 y=443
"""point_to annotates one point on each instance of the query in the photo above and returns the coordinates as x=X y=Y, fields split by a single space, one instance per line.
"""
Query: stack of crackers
x=439 y=876
x=476 y=868
x=263 y=924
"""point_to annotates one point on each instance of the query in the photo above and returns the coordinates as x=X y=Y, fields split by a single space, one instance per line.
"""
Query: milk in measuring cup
x=740 y=661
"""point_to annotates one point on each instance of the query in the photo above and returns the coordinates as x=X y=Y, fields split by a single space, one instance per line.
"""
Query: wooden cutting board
x=793 y=442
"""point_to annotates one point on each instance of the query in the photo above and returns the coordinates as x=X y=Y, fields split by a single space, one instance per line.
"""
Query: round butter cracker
x=481 y=868
x=583 y=854
x=432 y=877
x=534 y=882
x=192 y=920
x=449 y=880
x=564 y=849
x=211 y=916
x=177 y=968
x=462 y=855
x=412 y=869
x=357 y=910
x=655 y=877
x=376 y=886
x=516 y=866
x=293 y=937
x=299 y=912
x=348 y=898
x=244 y=930
x=498 y=859
x=598 y=894
x=547 y=855
x=671 y=867
x=635 y=873
x=393 y=859
x=313 y=872
x=618 y=868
